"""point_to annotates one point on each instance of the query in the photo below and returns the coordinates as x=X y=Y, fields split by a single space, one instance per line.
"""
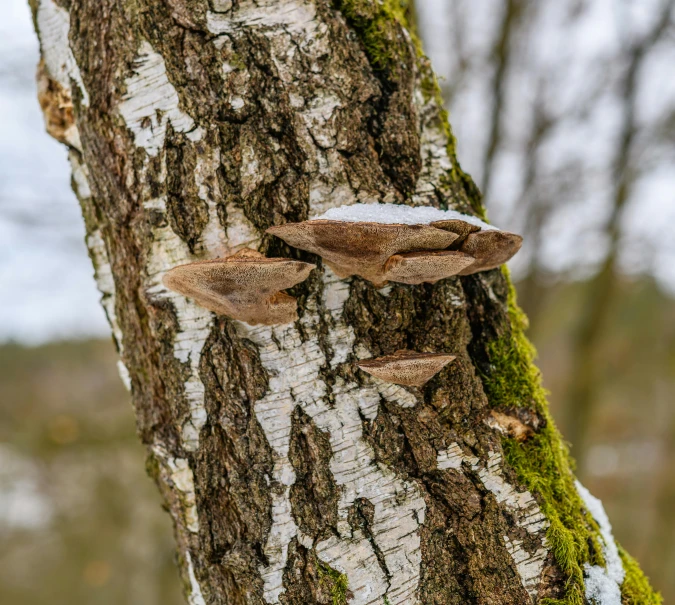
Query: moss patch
x=542 y=463
x=636 y=589
x=378 y=26
x=515 y=381
x=337 y=581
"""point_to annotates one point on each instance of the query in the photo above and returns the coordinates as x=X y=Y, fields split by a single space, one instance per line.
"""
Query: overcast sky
x=46 y=280
x=47 y=289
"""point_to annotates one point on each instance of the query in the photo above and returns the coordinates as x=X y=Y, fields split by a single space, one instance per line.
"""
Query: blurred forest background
x=564 y=111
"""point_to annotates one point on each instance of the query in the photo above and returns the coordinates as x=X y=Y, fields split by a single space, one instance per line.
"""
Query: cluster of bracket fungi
x=248 y=286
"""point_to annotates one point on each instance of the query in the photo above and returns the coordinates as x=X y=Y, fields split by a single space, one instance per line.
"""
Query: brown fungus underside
x=246 y=286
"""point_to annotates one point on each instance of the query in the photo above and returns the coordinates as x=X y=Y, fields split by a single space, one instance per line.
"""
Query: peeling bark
x=292 y=477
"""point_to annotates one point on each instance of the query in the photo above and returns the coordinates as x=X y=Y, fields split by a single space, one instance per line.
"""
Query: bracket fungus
x=390 y=242
x=246 y=286
x=407 y=368
x=356 y=248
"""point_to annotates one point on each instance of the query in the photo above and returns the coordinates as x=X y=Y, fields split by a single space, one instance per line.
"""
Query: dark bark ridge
x=198 y=126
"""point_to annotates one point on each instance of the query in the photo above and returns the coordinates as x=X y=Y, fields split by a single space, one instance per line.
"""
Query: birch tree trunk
x=291 y=477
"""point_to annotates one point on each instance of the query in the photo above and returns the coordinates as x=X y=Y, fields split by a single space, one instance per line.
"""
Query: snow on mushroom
x=246 y=286
x=390 y=242
x=408 y=368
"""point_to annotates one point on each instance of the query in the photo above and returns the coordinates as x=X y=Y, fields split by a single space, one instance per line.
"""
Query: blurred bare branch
x=501 y=55
x=583 y=387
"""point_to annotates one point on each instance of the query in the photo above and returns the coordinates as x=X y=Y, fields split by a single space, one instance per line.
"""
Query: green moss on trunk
x=379 y=26
x=337 y=583
x=542 y=463
x=636 y=589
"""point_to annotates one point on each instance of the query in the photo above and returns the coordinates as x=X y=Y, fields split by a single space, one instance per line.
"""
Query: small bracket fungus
x=389 y=242
x=245 y=286
x=406 y=367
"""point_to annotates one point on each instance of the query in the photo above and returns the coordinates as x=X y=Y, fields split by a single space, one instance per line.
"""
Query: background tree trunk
x=290 y=476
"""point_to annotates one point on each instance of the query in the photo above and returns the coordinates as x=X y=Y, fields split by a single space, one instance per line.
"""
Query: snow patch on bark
x=603 y=585
x=194 y=322
x=151 y=102
x=293 y=361
x=53 y=25
x=522 y=506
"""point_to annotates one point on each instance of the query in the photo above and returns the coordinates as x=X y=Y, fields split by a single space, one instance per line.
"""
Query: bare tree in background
x=501 y=58
x=626 y=166
x=290 y=476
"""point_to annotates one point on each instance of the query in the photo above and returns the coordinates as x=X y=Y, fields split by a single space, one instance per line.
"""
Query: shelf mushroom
x=407 y=368
x=361 y=248
x=390 y=242
x=246 y=286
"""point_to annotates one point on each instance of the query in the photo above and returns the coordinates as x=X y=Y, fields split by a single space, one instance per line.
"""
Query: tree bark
x=292 y=477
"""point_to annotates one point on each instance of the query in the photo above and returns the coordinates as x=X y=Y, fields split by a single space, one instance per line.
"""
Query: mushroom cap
x=245 y=286
x=490 y=248
x=361 y=248
x=407 y=368
x=429 y=267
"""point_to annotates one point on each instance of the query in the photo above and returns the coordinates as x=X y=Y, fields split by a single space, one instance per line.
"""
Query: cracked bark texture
x=291 y=477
